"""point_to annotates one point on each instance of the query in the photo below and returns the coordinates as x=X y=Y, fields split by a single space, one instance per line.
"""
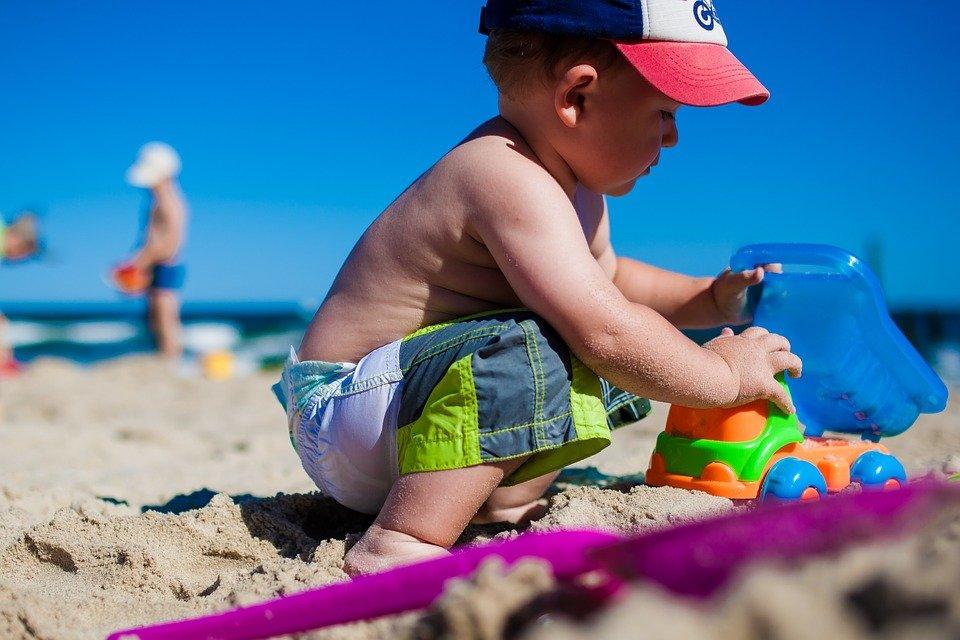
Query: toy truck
x=861 y=376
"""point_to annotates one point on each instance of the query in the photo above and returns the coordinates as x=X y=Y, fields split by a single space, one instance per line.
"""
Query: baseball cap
x=678 y=46
x=155 y=163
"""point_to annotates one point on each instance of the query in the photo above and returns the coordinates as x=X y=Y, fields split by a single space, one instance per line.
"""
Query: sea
x=260 y=333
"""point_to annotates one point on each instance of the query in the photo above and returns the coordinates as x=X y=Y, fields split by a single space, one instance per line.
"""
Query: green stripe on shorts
x=445 y=436
x=496 y=387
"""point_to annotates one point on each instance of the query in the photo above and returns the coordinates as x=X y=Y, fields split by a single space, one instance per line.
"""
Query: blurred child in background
x=155 y=268
x=18 y=241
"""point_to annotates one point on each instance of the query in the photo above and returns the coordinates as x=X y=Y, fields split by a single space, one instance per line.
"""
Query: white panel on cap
x=682 y=21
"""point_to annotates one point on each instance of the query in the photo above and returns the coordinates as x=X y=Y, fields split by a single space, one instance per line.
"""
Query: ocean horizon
x=257 y=332
x=260 y=332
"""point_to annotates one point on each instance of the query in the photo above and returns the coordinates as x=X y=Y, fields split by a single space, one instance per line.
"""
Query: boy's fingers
x=776 y=342
x=786 y=361
x=780 y=397
x=751 y=276
x=754 y=332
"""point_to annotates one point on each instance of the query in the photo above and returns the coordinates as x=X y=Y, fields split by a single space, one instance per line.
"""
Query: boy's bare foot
x=380 y=549
x=424 y=514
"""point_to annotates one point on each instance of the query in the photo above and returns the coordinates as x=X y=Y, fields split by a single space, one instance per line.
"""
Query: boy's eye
x=667 y=115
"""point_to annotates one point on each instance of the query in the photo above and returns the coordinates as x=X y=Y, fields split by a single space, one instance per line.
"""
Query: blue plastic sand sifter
x=860 y=373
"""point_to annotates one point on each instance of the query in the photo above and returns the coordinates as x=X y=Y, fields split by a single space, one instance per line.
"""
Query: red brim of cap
x=694 y=73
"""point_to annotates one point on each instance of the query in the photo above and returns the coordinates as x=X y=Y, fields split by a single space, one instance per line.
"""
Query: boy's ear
x=572 y=90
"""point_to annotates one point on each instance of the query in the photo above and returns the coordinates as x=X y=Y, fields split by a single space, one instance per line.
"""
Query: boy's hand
x=755 y=357
x=730 y=292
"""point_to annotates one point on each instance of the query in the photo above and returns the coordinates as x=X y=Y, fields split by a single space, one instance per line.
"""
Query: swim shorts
x=478 y=390
x=168 y=276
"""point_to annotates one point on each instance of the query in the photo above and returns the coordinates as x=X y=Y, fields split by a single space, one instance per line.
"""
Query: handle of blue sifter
x=821 y=256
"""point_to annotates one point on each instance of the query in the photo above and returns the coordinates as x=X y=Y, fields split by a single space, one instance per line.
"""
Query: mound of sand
x=130 y=495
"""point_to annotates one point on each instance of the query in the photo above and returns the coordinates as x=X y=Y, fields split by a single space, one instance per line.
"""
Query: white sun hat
x=156 y=162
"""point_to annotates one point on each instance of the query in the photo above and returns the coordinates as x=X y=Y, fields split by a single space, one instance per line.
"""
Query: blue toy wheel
x=789 y=478
x=874 y=469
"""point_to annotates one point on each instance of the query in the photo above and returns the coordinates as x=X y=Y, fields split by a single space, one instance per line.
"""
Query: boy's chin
x=623 y=189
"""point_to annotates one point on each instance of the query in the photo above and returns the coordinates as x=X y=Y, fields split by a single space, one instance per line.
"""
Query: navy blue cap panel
x=612 y=19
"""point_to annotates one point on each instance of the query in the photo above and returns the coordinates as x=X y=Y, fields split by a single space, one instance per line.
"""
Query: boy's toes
x=358 y=562
x=352 y=565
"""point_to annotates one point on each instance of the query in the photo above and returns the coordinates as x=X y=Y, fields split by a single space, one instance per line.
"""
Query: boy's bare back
x=424 y=259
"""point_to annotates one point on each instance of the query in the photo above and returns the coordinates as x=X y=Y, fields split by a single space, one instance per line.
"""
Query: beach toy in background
x=129 y=279
x=10 y=368
x=156 y=162
x=693 y=560
x=217 y=365
x=215 y=344
x=860 y=376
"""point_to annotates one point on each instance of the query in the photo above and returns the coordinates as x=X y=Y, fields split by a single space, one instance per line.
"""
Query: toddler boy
x=483 y=333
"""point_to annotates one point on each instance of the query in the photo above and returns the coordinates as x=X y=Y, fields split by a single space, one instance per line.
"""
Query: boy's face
x=624 y=123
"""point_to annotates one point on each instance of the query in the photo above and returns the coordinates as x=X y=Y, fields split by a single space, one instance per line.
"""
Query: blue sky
x=299 y=121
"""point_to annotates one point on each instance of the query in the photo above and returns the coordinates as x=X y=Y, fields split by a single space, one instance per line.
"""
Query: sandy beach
x=130 y=495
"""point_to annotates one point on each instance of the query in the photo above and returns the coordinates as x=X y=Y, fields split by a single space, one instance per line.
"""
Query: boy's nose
x=670 y=135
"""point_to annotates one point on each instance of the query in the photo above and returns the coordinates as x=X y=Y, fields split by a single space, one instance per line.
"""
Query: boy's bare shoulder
x=494 y=171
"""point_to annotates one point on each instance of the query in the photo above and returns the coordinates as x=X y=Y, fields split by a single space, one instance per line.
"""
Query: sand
x=130 y=495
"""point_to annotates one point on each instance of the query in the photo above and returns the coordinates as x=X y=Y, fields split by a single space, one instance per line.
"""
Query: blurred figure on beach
x=155 y=268
x=19 y=241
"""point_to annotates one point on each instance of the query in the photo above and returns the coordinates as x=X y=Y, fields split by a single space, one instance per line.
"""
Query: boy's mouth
x=655 y=162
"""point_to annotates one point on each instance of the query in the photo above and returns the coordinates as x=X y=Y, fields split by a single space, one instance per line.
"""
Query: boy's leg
x=6 y=354
x=165 y=321
x=484 y=399
x=424 y=515
x=517 y=504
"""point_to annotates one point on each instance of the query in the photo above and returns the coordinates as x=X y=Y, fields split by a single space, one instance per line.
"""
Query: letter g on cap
x=705 y=14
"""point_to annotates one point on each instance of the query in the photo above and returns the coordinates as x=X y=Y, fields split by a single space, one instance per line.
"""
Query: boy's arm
x=685 y=301
x=532 y=230
x=688 y=302
x=165 y=228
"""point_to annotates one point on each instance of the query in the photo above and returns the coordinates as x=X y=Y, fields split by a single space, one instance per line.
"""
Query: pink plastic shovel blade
x=396 y=591
x=697 y=559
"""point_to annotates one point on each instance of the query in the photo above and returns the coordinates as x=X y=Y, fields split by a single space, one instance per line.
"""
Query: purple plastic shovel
x=692 y=560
